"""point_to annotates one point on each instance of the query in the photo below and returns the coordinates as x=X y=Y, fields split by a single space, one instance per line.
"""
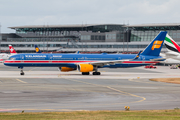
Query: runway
x=47 y=89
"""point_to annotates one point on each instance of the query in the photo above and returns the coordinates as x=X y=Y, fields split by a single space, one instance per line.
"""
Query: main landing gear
x=21 y=72
x=94 y=73
x=85 y=73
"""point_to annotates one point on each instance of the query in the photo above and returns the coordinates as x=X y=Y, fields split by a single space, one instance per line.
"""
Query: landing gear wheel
x=96 y=73
x=21 y=72
x=85 y=73
x=96 y=69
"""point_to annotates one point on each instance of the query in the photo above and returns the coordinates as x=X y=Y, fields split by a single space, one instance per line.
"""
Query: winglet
x=37 y=49
x=154 y=48
x=137 y=56
x=77 y=52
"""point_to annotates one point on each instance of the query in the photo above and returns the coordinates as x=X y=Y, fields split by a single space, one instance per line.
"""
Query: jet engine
x=85 y=67
x=66 y=69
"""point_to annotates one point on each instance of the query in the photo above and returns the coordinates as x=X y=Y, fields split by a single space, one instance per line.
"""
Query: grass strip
x=167 y=80
x=95 y=115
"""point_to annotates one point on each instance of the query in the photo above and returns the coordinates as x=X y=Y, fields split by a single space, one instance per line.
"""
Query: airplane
x=37 y=49
x=5 y=56
x=12 y=50
x=86 y=63
x=173 y=54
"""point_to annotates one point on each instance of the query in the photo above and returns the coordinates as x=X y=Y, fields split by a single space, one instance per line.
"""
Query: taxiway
x=47 y=89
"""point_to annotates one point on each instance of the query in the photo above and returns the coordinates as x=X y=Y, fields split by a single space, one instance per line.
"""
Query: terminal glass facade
x=149 y=32
x=150 y=35
x=143 y=35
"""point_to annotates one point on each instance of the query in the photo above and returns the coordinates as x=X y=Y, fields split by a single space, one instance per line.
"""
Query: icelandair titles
x=35 y=55
x=42 y=55
x=57 y=55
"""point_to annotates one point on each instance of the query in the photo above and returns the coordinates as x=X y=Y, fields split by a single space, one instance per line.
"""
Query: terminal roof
x=162 y=26
x=77 y=27
x=61 y=26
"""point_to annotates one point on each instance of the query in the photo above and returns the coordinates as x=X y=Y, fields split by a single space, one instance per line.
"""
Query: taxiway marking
x=119 y=91
x=32 y=69
x=21 y=81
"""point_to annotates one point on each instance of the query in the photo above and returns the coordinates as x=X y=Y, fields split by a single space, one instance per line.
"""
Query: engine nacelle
x=66 y=69
x=85 y=67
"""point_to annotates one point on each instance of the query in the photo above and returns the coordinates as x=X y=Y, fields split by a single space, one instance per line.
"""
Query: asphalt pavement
x=47 y=89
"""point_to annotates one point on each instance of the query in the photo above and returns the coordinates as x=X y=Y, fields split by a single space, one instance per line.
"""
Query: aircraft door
x=143 y=59
x=50 y=58
x=22 y=58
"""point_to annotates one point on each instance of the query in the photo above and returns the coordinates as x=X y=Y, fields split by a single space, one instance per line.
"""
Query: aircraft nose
x=6 y=62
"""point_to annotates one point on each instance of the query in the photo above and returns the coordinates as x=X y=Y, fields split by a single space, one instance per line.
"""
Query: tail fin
x=37 y=49
x=11 y=49
x=171 y=45
x=154 y=48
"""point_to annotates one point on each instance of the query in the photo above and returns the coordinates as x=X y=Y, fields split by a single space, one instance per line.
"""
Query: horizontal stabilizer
x=157 y=59
x=137 y=56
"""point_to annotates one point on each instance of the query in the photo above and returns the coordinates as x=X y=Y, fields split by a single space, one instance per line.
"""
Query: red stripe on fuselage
x=135 y=62
x=139 y=62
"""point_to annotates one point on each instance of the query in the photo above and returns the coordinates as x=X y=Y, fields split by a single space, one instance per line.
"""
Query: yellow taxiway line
x=21 y=81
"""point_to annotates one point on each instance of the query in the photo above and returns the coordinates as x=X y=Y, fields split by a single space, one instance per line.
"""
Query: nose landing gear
x=21 y=71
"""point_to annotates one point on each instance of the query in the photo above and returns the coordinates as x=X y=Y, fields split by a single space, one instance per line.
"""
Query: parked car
x=150 y=66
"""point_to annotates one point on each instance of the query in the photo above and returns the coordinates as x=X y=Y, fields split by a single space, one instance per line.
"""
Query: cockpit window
x=12 y=58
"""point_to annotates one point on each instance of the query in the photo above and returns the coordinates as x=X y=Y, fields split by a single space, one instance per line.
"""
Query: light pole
x=0 y=37
x=127 y=34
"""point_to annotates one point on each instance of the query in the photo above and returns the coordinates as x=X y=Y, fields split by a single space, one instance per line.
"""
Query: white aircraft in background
x=173 y=54
x=5 y=56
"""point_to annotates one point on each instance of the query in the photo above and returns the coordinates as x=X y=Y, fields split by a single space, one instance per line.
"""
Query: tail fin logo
x=156 y=44
x=11 y=49
x=37 y=49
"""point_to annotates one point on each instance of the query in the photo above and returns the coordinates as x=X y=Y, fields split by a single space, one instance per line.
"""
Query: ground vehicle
x=150 y=66
x=174 y=67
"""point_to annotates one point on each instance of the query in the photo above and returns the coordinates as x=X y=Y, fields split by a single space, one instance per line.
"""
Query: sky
x=67 y=12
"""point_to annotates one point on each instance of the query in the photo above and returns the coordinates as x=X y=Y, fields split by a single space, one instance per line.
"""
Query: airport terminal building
x=86 y=38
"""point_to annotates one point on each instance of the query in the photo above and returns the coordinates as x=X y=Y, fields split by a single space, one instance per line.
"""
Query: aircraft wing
x=102 y=63
x=158 y=59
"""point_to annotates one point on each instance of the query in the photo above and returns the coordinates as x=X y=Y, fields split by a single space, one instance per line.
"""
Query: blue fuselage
x=72 y=60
